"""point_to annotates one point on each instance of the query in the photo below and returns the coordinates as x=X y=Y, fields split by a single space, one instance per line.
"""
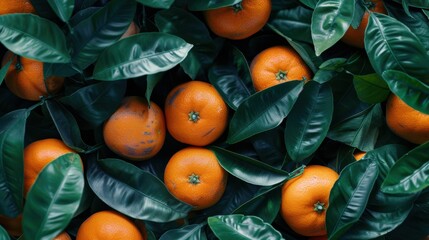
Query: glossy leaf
x=308 y=125
x=63 y=9
x=389 y=51
x=330 y=21
x=190 y=232
x=248 y=169
x=205 y=5
x=141 y=54
x=157 y=3
x=134 y=192
x=349 y=196
x=309 y=3
x=54 y=198
x=152 y=80
x=12 y=132
x=415 y=3
x=3 y=70
x=263 y=111
x=3 y=234
x=99 y=31
x=371 y=88
x=33 y=37
x=410 y=173
x=240 y=227
x=409 y=89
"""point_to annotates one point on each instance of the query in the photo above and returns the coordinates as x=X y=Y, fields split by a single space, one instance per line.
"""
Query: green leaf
x=410 y=174
x=190 y=232
x=3 y=70
x=206 y=5
x=349 y=196
x=263 y=111
x=12 y=132
x=248 y=169
x=308 y=125
x=309 y=3
x=54 y=198
x=99 y=31
x=33 y=37
x=134 y=192
x=157 y=3
x=63 y=9
x=415 y=3
x=141 y=54
x=240 y=227
x=152 y=80
x=389 y=51
x=3 y=234
x=409 y=89
x=371 y=88
x=330 y=21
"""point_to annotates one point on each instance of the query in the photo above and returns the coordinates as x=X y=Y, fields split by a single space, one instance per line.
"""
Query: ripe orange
x=63 y=236
x=108 y=225
x=194 y=176
x=16 y=6
x=276 y=65
x=406 y=122
x=12 y=225
x=240 y=20
x=135 y=131
x=25 y=78
x=358 y=155
x=195 y=113
x=37 y=155
x=355 y=37
x=305 y=199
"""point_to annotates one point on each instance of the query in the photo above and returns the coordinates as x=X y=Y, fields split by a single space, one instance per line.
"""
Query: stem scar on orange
x=305 y=199
x=240 y=20
x=276 y=65
x=135 y=131
x=355 y=36
x=194 y=176
x=195 y=113
x=16 y=6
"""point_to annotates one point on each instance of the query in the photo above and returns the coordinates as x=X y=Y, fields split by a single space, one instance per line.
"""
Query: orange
x=195 y=113
x=358 y=155
x=355 y=37
x=63 y=236
x=12 y=225
x=406 y=122
x=37 y=155
x=131 y=30
x=108 y=225
x=25 y=78
x=276 y=65
x=194 y=176
x=16 y=6
x=240 y=20
x=135 y=131
x=305 y=199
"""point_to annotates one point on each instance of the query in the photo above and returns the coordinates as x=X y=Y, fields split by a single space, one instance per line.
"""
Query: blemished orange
x=135 y=131
x=25 y=78
x=38 y=154
x=406 y=122
x=240 y=20
x=305 y=199
x=195 y=113
x=355 y=36
x=12 y=225
x=63 y=236
x=277 y=64
x=108 y=225
x=358 y=155
x=16 y=6
x=194 y=176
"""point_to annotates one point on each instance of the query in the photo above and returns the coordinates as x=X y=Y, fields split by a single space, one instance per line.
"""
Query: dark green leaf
x=54 y=198
x=330 y=21
x=389 y=51
x=248 y=169
x=309 y=3
x=3 y=70
x=152 y=80
x=33 y=37
x=100 y=30
x=269 y=147
x=190 y=232
x=410 y=173
x=349 y=196
x=141 y=54
x=134 y=192
x=240 y=227
x=308 y=125
x=371 y=88
x=63 y=8
x=410 y=90
x=205 y=5
x=415 y=3
x=263 y=111
x=12 y=132
x=157 y=3
x=3 y=234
